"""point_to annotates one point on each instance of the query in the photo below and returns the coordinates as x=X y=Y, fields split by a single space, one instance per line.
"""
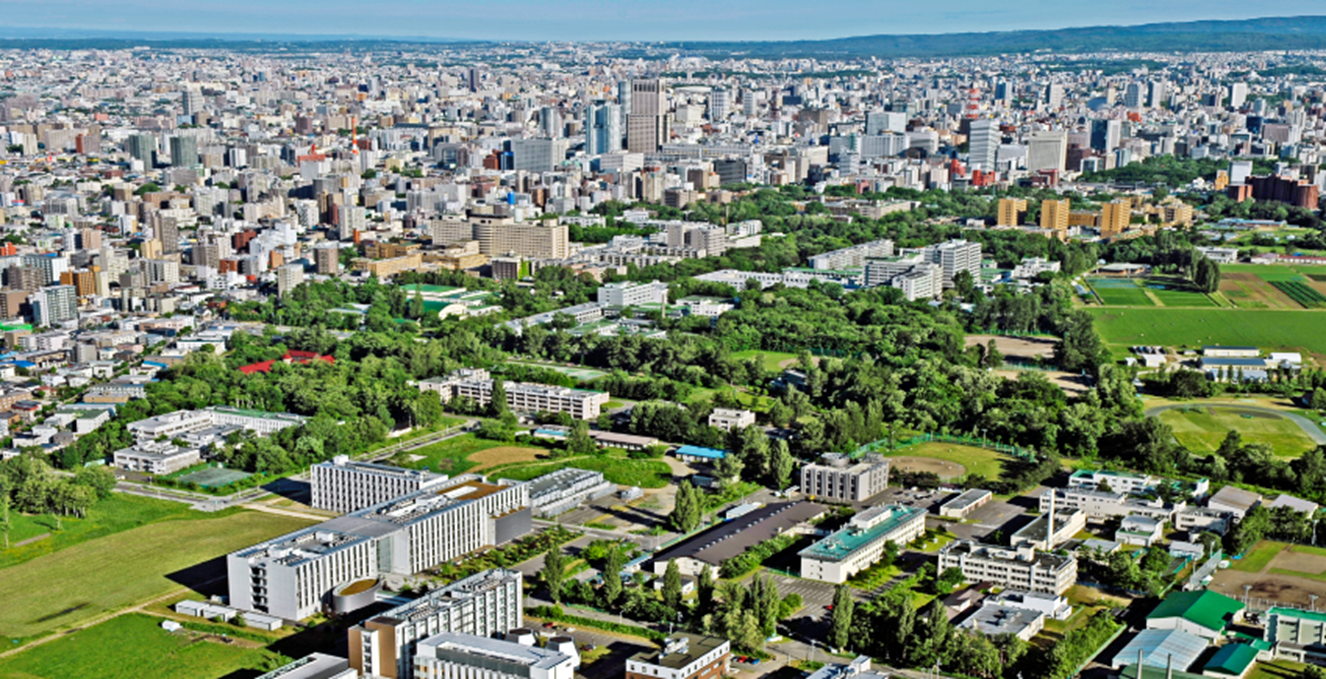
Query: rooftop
x=1206 y=608
x=680 y=651
x=731 y=538
x=506 y=655
x=848 y=540
x=1231 y=659
x=991 y=619
x=1158 y=645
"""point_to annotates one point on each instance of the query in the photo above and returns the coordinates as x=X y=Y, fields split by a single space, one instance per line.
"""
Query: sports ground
x=1287 y=330
x=1201 y=429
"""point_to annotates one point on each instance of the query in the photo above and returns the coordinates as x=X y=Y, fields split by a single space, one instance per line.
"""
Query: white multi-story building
x=526 y=397
x=294 y=576
x=839 y=480
x=853 y=257
x=683 y=657
x=483 y=604
x=564 y=489
x=343 y=485
x=1100 y=504
x=455 y=656
x=626 y=294
x=183 y=421
x=861 y=543
x=1022 y=568
x=953 y=256
x=151 y=457
x=728 y=419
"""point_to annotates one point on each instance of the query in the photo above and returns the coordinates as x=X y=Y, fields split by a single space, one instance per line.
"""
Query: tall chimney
x=1169 y=667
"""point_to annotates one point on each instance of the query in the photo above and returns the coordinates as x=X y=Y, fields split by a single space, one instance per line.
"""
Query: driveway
x=1309 y=427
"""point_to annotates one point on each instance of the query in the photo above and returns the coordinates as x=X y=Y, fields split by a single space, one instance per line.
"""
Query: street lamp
x=1313 y=597
x=1246 y=589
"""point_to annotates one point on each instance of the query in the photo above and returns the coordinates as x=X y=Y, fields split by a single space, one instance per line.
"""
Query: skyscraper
x=720 y=104
x=142 y=147
x=984 y=144
x=647 y=126
x=1047 y=151
x=1238 y=94
x=352 y=219
x=603 y=128
x=1105 y=134
x=550 y=122
x=54 y=304
x=1156 y=93
x=1054 y=95
x=1132 y=96
x=183 y=151
x=191 y=101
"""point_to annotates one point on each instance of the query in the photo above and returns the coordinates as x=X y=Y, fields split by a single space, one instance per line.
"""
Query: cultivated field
x=1275 y=287
x=1285 y=330
x=1150 y=292
x=104 y=574
x=948 y=460
x=500 y=455
x=133 y=646
x=1201 y=429
x=1284 y=574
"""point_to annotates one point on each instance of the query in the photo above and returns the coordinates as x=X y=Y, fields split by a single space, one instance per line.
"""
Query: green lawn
x=1258 y=557
x=112 y=515
x=107 y=573
x=1201 y=430
x=1171 y=297
x=620 y=470
x=978 y=461
x=771 y=360
x=1124 y=297
x=1279 y=669
x=1265 y=328
x=130 y=647
x=450 y=456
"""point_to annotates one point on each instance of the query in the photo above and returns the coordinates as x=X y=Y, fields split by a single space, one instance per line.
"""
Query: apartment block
x=1022 y=568
x=626 y=294
x=1054 y=214
x=1011 y=211
x=526 y=397
x=683 y=656
x=853 y=257
x=343 y=485
x=298 y=574
x=483 y=604
x=861 y=543
x=450 y=655
x=838 y=479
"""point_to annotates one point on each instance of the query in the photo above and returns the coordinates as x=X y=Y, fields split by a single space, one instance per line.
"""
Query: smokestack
x=1169 y=667
x=1139 y=664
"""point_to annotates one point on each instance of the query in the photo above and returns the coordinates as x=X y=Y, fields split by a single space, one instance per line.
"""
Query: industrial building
x=861 y=543
x=1201 y=612
x=684 y=656
x=295 y=575
x=838 y=479
x=451 y=655
x=344 y=485
x=483 y=604
x=732 y=538
x=1022 y=568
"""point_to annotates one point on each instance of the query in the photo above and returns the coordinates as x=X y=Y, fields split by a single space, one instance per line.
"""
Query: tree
x=1206 y=275
x=993 y=357
x=554 y=571
x=498 y=406
x=100 y=479
x=840 y=626
x=704 y=591
x=781 y=465
x=688 y=510
x=1080 y=347
x=5 y=524
x=579 y=442
x=1318 y=401
x=729 y=467
x=672 y=586
x=612 y=578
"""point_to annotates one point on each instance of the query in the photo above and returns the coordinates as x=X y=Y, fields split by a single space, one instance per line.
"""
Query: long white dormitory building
x=343 y=485
x=180 y=422
x=466 y=656
x=477 y=385
x=293 y=576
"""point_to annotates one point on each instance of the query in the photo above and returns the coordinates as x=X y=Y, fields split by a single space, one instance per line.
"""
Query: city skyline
x=604 y=20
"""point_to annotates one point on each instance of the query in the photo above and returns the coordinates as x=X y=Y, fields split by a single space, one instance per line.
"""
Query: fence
x=1008 y=449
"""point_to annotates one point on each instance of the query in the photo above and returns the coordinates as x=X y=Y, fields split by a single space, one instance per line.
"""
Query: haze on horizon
x=629 y=20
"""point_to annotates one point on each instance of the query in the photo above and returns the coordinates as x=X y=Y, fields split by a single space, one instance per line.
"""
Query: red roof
x=300 y=357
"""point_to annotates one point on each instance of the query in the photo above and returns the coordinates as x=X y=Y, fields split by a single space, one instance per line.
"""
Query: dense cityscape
x=624 y=360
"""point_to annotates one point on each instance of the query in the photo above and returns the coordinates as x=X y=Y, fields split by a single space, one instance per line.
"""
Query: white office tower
x=750 y=106
x=464 y=656
x=343 y=485
x=603 y=128
x=53 y=304
x=880 y=122
x=1047 y=151
x=351 y=219
x=1054 y=96
x=984 y=144
x=1156 y=93
x=720 y=104
x=1238 y=95
x=1132 y=96
x=550 y=122
x=647 y=127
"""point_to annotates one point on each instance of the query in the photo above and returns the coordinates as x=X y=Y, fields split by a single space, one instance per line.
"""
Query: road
x=1309 y=427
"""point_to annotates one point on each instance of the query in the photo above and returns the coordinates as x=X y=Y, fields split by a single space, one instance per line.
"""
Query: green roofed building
x=1232 y=660
x=1203 y=613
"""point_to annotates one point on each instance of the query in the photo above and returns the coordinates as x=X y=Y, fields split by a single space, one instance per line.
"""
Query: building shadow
x=291 y=489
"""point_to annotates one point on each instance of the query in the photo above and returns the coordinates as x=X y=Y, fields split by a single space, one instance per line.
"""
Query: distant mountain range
x=1270 y=33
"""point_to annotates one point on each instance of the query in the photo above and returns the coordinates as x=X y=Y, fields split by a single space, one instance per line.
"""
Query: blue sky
x=623 y=19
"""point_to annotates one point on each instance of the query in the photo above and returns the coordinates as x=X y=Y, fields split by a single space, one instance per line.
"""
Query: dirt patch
x=941 y=468
x=1246 y=277
x=1268 y=589
x=792 y=362
x=1071 y=383
x=1016 y=347
x=1299 y=562
x=503 y=455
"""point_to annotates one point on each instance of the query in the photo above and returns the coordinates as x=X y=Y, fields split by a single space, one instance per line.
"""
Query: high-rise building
x=647 y=126
x=531 y=155
x=603 y=128
x=192 y=102
x=550 y=122
x=1132 y=95
x=1156 y=93
x=1054 y=96
x=166 y=271
x=142 y=147
x=1105 y=135
x=881 y=122
x=953 y=256
x=1011 y=211
x=54 y=304
x=720 y=104
x=1047 y=151
x=351 y=219
x=183 y=151
x=984 y=144
x=327 y=259
x=167 y=230
x=1054 y=214
x=288 y=277
x=1115 y=217
x=1238 y=95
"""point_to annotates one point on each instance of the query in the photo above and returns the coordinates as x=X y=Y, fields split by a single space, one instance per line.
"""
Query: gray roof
x=731 y=538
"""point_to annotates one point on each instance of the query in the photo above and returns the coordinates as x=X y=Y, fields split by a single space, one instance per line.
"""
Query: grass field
x=1268 y=329
x=1133 y=296
x=578 y=372
x=117 y=513
x=1150 y=292
x=620 y=470
x=1201 y=430
x=1258 y=557
x=133 y=646
x=451 y=456
x=107 y=573
x=1279 y=669
x=978 y=461
x=1171 y=297
x=771 y=360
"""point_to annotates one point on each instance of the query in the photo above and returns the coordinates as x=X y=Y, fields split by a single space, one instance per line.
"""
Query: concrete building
x=1054 y=214
x=838 y=479
x=313 y=666
x=288 y=277
x=861 y=543
x=527 y=397
x=728 y=419
x=851 y=258
x=1051 y=605
x=732 y=538
x=182 y=422
x=952 y=256
x=1100 y=505
x=1142 y=531
x=295 y=575
x=1297 y=634
x=626 y=294
x=1010 y=211
x=1233 y=501
x=1037 y=534
x=684 y=656
x=1113 y=481
x=1022 y=568
x=152 y=457
x=993 y=619
x=499 y=234
x=327 y=259
x=54 y=304
x=483 y=604
x=565 y=489
x=344 y=485
x=1047 y=151
x=452 y=655
x=965 y=503
x=647 y=127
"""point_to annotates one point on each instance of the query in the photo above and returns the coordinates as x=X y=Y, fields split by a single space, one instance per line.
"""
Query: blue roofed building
x=689 y=453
